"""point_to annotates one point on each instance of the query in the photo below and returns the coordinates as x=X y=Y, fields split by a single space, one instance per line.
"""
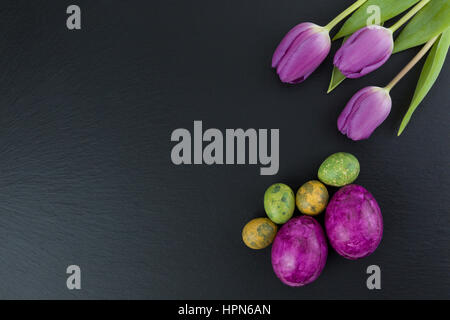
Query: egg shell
x=353 y=222
x=259 y=233
x=279 y=203
x=339 y=169
x=312 y=198
x=299 y=251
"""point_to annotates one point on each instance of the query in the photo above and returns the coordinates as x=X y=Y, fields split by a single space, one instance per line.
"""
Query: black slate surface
x=86 y=176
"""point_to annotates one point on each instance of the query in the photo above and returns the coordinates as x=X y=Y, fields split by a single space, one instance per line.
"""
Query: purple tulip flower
x=365 y=51
x=365 y=111
x=300 y=52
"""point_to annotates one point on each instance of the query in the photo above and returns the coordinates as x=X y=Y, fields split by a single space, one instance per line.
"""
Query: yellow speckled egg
x=259 y=233
x=312 y=198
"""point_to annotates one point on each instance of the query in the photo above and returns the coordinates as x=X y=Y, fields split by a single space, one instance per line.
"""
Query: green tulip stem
x=411 y=64
x=344 y=14
x=409 y=15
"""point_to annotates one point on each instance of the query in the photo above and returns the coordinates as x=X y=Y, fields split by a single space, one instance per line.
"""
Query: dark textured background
x=86 y=176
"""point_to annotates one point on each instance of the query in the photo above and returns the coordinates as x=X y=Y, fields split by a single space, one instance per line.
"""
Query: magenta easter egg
x=299 y=251
x=353 y=222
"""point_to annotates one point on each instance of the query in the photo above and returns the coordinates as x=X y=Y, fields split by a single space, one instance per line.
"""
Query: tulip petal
x=367 y=109
x=287 y=41
x=365 y=51
x=350 y=107
x=304 y=56
x=364 y=123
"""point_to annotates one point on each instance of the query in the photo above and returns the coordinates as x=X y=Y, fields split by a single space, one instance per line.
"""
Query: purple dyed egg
x=299 y=251
x=353 y=222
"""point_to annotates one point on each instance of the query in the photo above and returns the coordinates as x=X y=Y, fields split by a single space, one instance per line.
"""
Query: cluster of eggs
x=353 y=222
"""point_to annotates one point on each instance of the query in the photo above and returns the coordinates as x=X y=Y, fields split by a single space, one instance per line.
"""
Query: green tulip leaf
x=388 y=10
x=336 y=79
x=336 y=76
x=431 y=21
x=431 y=69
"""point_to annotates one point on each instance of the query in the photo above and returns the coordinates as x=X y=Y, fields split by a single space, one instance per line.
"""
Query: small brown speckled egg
x=312 y=198
x=259 y=233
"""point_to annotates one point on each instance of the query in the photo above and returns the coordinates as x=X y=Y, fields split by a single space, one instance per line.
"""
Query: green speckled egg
x=259 y=233
x=339 y=169
x=279 y=203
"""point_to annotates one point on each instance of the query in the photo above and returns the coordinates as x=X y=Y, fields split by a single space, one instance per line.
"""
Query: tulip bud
x=365 y=51
x=300 y=52
x=365 y=111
